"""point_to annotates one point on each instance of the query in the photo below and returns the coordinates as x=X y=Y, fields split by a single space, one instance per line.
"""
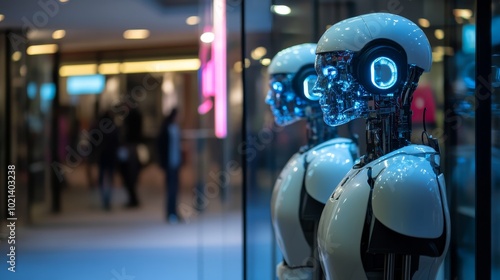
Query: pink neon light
x=207 y=68
x=205 y=107
x=219 y=58
x=207 y=82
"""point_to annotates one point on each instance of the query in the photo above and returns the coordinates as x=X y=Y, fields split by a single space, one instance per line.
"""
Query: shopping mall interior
x=75 y=72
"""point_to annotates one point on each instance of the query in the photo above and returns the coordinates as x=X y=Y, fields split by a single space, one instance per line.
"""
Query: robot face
x=341 y=96
x=286 y=105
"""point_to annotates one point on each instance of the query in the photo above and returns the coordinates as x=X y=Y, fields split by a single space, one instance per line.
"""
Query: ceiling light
x=281 y=9
x=58 y=34
x=63 y=1
x=41 y=49
x=258 y=53
x=424 y=22
x=172 y=65
x=463 y=13
x=111 y=68
x=77 y=70
x=1 y=17
x=265 y=61
x=192 y=20
x=207 y=37
x=16 y=56
x=439 y=33
x=136 y=34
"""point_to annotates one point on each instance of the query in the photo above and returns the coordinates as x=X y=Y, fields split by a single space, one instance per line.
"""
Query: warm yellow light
x=111 y=68
x=63 y=1
x=173 y=65
x=265 y=61
x=207 y=37
x=237 y=67
x=136 y=34
x=247 y=63
x=16 y=56
x=193 y=20
x=41 y=49
x=258 y=53
x=77 y=70
x=424 y=22
x=2 y=17
x=281 y=9
x=58 y=34
x=439 y=33
x=463 y=13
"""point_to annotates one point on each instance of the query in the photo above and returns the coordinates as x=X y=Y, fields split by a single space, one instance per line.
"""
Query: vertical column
x=12 y=121
x=483 y=140
x=4 y=157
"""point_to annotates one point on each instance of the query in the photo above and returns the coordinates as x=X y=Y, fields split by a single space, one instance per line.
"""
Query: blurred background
x=64 y=63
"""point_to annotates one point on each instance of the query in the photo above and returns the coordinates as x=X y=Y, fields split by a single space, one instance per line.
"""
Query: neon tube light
x=219 y=56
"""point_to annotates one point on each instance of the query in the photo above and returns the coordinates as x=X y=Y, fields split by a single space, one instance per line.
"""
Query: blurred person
x=169 y=149
x=130 y=165
x=107 y=160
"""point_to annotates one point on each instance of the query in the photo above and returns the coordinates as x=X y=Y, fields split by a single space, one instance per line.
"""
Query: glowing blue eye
x=308 y=86
x=383 y=72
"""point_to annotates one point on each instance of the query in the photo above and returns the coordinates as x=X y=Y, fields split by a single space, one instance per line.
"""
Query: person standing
x=107 y=159
x=169 y=148
x=130 y=165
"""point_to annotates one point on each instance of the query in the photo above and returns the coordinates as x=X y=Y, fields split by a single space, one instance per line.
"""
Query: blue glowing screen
x=90 y=84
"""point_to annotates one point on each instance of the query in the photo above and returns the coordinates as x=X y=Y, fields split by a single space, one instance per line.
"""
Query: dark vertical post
x=243 y=139
x=54 y=181
x=4 y=160
x=483 y=139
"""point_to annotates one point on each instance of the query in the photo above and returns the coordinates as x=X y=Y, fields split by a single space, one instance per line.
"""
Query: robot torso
x=395 y=204
x=308 y=178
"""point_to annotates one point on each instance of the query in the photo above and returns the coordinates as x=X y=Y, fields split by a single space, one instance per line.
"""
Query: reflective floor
x=85 y=242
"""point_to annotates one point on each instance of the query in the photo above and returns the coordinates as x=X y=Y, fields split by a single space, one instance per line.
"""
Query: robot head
x=364 y=62
x=292 y=77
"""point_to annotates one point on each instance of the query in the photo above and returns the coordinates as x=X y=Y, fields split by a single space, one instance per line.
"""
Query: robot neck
x=318 y=132
x=388 y=127
x=382 y=136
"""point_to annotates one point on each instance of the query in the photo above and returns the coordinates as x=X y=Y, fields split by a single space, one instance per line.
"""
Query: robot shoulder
x=407 y=196
x=327 y=164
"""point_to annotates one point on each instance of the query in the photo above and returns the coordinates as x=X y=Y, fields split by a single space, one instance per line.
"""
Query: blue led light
x=308 y=85
x=383 y=72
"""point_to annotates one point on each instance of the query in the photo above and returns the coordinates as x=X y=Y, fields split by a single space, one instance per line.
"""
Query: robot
x=388 y=217
x=307 y=180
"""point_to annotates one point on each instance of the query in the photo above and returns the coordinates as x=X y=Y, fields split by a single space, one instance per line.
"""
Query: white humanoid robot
x=388 y=218
x=308 y=179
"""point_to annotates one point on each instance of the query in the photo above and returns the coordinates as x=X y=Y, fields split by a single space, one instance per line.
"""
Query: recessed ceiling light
x=193 y=20
x=265 y=61
x=424 y=22
x=1 y=17
x=41 y=49
x=136 y=34
x=16 y=56
x=58 y=34
x=281 y=9
x=63 y=1
x=207 y=37
x=463 y=13
x=439 y=33
x=258 y=53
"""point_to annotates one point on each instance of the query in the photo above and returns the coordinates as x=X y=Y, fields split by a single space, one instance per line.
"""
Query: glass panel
x=268 y=147
x=460 y=143
x=495 y=130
